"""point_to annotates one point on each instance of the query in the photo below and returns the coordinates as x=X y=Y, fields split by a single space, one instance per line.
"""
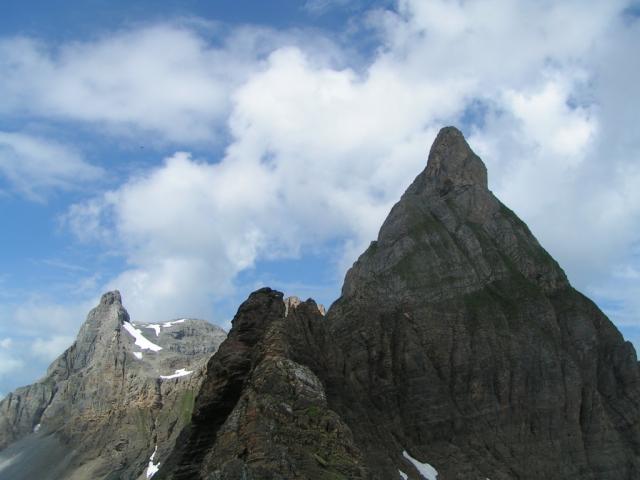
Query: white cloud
x=320 y=153
x=167 y=79
x=160 y=79
x=36 y=165
x=6 y=342
x=50 y=348
x=319 y=149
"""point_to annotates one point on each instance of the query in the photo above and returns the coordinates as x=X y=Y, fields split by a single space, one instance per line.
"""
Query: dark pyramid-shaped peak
x=453 y=163
x=456 y=323
x=449 y=234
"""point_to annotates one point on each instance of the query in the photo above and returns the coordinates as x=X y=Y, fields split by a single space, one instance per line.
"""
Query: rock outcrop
x=458 y=350
x=262 y=412
x=119 y=392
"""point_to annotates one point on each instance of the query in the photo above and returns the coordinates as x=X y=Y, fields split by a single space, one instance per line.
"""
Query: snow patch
x=138 y=355
x=175 y=322
x=142 y=342
x=155 y=326
x=153 y=468
x=36 y=428
x=425 y=470
x=403 y=475
x=179 y=373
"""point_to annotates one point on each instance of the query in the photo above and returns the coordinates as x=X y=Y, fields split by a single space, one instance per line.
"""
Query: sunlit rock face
x=121 y=390
x=457 y=350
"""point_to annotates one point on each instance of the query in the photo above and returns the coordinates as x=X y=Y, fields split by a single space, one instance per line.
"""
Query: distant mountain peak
x=110 y=298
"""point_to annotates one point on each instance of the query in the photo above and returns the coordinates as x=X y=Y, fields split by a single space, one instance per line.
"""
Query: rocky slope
x=457 y=350
x=108 y=401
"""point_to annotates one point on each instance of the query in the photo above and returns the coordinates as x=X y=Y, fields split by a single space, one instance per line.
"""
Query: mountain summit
x=453 y=163
x=462 y=336
x=108 y=401
x=457 y=350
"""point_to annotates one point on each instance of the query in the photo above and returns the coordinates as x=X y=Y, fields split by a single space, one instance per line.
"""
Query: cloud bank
x=316 y=149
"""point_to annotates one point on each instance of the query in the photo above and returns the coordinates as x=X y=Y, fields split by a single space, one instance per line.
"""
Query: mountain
x=457 y=350
x=108 y=400
x=460 y=340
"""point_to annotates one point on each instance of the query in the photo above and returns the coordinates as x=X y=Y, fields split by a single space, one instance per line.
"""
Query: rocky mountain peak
x=120 y=392
x=111 y=298
x=449 y=234
x=452 y=163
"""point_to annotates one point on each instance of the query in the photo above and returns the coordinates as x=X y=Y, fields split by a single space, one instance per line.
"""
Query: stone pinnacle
x=452 y=162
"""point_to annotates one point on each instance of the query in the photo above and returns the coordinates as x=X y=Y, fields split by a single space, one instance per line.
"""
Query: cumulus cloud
x=158 y=79
x=168 y=79
x=320 y=152
x=33 y=166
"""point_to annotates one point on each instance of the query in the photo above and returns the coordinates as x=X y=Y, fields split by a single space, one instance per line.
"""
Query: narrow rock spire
x=110 y=298
x=453 y=163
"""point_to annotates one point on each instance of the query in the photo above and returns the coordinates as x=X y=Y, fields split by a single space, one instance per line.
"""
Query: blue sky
x=189 y=152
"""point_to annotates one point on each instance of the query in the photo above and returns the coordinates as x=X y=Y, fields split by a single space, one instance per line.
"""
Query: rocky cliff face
x=462 y=337
x=458 y=347
x=458 y=350
x=262 y=412
x=108 y=401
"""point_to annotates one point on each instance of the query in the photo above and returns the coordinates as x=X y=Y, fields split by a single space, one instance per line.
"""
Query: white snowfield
x=179 y=373
x=157 y=326
x=171 y=324
x=138 y=355
x=425 y=470
x=142 y=342
x=403 y=475
x=152 y=468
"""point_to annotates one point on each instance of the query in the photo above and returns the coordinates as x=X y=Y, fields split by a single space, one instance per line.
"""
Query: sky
x=189 y=152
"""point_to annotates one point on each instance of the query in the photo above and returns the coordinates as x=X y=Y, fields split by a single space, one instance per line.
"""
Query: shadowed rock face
x=457 y=338
x=103 y=402
x=457 y=341
x=462 y=337
x=262 y=412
